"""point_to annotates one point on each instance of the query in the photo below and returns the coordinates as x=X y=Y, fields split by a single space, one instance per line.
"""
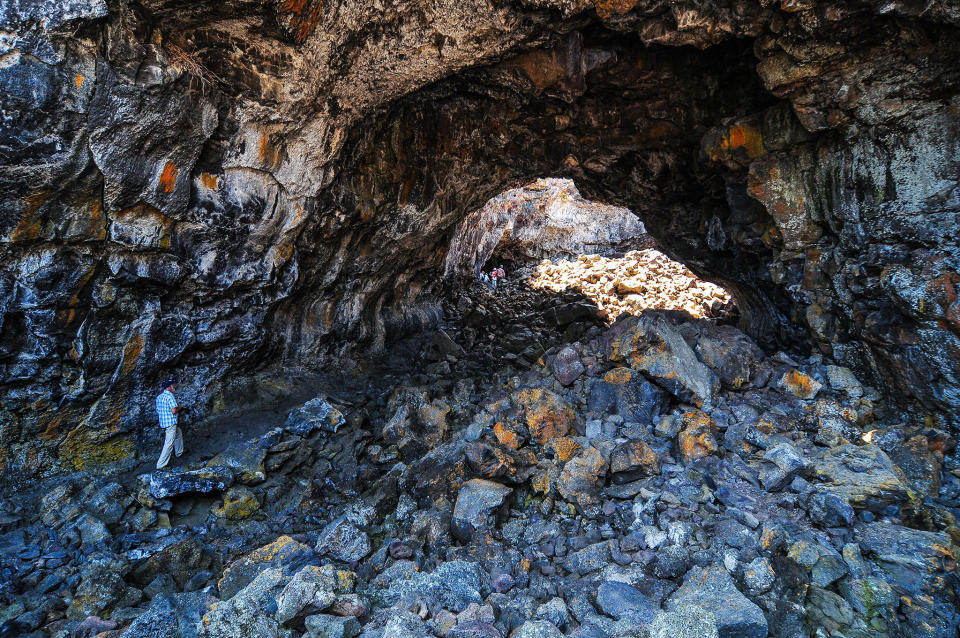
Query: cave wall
x=206 y=189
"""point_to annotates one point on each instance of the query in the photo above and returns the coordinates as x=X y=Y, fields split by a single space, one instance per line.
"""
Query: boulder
x=245 y=460
x=548 y=415
x=247 y=613
x=306 y=593
x=654 y=345
x=566 y=366
x=238 y=503
x=798 y=384
x=170 y=616
x=325 y=626
x=537 y=629
x=477 y=500
x=620 y=600
x=283 y=553
x=712 y=589
x=729 y=353
x=781 y=464
x=830 y=510
x=344 y=541
x=696 y=440
x=862 y=475
x=632 y=460
x=452 y=585
x=687 y=621
x=315 y=414
x=581 y=479
x=173 y=482
x=589 y=559
x=627 y=393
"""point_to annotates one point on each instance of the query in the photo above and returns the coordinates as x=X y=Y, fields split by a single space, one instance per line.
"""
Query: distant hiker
x=167 y=411
x=501 y=273
x=484 y=279
x=493 y=280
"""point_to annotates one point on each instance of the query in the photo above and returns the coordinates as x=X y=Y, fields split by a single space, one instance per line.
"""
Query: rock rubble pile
x=660 y=477
x=638 y=280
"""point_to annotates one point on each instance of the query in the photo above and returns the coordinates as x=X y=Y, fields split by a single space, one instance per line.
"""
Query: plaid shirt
x=165 y=403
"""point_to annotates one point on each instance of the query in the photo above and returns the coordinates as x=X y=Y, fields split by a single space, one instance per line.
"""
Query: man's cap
x=169 y=382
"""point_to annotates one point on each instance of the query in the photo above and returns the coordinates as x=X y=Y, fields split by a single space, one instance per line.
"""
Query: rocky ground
x=638 y=280
x=526 y=471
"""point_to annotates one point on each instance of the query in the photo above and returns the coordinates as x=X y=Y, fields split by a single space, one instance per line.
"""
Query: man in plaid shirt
x=167 y=409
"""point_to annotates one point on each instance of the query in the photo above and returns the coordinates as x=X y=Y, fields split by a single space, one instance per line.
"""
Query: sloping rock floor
x=659 y=477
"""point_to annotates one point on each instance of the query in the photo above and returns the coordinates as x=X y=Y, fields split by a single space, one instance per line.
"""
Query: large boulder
x=687 y=621
x=170 y=616
x=477 y=501
x=712 y=589
x=452 y=585
x=343 y=540
x=315 y=414
x=548 y=415
x=862 y=475
x=581 y=479
x=173 y=482
x=654 y=345
x=626 y=392
x=620 y=600
x=283 y=553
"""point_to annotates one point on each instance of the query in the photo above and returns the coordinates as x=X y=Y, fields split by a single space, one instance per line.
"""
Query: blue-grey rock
x=620 y=600
x=712 y=589
x=477 y=500
x=173 y=482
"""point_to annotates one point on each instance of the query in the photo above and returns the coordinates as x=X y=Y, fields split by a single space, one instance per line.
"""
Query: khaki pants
x=172 y=442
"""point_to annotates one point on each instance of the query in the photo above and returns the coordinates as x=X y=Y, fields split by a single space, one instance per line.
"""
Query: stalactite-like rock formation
x=210 y=188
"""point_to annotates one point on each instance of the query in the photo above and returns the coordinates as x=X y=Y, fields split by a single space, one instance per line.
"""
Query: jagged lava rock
x=712 y=589
x=477 y=500
x=167 y=483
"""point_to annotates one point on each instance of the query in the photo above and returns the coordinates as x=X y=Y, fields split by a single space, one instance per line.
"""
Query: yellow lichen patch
x=82 y=449
x=542 y=482
x=78 y=80
x=548 y=415
x=618 y=376
x=565 y=448
x=238 y=503
x=210 y=181
x=168 y=178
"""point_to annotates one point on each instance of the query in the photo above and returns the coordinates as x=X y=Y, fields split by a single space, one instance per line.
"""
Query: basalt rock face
x=212 y=188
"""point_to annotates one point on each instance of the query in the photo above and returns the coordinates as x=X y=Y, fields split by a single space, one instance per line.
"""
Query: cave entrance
x=549 y=238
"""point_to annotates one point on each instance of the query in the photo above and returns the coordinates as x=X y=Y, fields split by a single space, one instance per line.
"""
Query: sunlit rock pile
x=545 y=219
x=639 y=280
x=654 y=479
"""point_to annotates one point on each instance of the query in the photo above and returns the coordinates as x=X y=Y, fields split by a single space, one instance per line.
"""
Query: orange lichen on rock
x=612 y=8
x=131 y=354
x=507 y=436
x=548 y=415
x=269 y=155
x=168 y=178
x=800 y=385
x=618 y=376
x=696 y=440
x=565 y=448
x=301 y=17
x=78 y=80
x=210 y=181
